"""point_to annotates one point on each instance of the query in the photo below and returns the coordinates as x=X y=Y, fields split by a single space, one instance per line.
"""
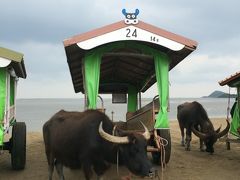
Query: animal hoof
x=182 y=143
x=202 y=150
x=187 y=148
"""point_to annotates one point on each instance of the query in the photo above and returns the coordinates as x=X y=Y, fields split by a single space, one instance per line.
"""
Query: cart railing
x=102 y=109
x=9 y=115
x=145 y=114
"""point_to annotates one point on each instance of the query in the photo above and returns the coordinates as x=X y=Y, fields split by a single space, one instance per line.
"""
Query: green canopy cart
x=11 y=69
x=233 y=82
x=125 y=59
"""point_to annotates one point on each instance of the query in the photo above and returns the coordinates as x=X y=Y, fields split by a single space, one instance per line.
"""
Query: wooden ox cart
x=125 y=59
x=233 y=82
x=11 y=69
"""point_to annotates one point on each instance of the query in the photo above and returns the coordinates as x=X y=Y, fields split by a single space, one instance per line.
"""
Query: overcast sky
x=38 y=28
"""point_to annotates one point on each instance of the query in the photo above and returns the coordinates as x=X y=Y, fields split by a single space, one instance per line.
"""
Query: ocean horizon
x=36 y=111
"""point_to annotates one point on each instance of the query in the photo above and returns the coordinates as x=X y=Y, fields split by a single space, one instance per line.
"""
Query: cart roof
x=130 y=65
x=232 y=81
x=15 y=60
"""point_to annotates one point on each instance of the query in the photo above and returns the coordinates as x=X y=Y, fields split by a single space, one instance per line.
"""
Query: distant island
x=220 y=94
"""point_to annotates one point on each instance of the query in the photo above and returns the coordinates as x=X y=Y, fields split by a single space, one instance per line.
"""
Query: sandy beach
x=194 y=165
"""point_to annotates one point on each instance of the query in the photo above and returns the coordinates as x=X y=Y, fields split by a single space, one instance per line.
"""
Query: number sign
x=130 y=33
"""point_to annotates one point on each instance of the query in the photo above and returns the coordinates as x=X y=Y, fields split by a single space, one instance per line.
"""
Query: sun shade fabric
x=2 y=101
x=161 y=69
x=235 y=124
x=92 y=75
x=132 y=98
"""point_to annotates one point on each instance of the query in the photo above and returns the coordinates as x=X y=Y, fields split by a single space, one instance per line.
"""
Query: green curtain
x=132 y=98
x=161 y=69
x=2 y=100
x=92 y=75
x=235 y=124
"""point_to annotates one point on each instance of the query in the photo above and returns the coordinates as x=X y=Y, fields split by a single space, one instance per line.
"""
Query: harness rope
x=113 y=133
x=161 y=143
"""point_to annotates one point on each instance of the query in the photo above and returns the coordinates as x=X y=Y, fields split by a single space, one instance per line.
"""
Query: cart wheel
x=164 y=133
x=18 y=148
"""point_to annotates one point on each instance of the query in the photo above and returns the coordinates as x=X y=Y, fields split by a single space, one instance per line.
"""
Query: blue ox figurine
x=131 y=18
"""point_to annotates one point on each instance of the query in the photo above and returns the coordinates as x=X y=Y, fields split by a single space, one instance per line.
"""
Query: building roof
x=135 y=66
x=13 y=59
x=231 y=81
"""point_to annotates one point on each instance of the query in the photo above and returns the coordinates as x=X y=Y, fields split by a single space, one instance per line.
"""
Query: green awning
x=92 y=76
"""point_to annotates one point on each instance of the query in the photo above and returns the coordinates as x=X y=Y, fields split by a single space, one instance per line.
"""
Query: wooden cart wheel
x=18 y=146
x=164 y=133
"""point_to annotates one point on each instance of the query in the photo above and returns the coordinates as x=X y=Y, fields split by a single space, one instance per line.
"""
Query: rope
x=113 y=133
x=161 y=143
x=118 y=162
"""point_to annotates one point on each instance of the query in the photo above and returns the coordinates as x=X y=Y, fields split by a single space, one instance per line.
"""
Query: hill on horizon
x=220 y=94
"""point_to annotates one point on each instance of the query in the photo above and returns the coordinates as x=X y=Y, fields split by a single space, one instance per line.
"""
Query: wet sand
x=184 y=165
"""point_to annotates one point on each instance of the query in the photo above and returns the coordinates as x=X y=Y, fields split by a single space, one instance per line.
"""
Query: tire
x=156 y=156
x=18 y=146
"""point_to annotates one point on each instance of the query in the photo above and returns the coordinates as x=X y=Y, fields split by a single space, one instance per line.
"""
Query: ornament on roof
x=131 y=18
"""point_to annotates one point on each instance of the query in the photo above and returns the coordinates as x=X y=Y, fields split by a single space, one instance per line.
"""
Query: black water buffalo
x=194 y=118
x=84 y=140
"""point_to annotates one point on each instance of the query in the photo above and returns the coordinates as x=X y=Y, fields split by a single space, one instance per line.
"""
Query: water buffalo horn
x=146 y=134
x=198 y=133
x=111 y=138
x=225 y=131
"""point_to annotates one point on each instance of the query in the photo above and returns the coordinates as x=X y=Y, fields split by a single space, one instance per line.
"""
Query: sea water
x=35 y=112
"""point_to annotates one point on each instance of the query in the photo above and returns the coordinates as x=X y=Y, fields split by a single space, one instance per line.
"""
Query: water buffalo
x=194 y=118
x=84 y=140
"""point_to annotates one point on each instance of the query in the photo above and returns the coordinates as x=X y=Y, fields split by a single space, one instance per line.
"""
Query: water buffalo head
x=211 y=137
x=132 y=149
